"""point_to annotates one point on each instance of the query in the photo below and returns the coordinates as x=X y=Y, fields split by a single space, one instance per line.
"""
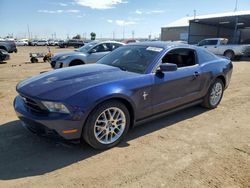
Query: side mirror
x=92 y=51
x=168 y=67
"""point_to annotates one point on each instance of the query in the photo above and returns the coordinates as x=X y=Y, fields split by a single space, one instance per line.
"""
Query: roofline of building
x=184 y=22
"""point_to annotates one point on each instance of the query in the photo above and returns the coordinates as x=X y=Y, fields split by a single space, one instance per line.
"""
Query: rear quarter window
x=205 y=56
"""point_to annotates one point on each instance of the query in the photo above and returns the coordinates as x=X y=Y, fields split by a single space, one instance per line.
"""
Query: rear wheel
x=107 y=125
x=229 y=54
x=214 y=95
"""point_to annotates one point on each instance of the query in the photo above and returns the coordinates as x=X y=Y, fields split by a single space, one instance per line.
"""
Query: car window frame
x=159 y=62
x=98 y=45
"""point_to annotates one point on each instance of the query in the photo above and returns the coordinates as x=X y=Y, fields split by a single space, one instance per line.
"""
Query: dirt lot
x=191 y=148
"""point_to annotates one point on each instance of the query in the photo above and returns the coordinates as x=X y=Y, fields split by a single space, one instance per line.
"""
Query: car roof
x=110 y=41
x=162 y=44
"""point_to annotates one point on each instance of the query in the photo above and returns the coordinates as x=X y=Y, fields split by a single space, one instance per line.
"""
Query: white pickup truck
x=220 y=46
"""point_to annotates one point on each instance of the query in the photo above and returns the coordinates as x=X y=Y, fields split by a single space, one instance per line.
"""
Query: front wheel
x=107 y=125
x=214 y=95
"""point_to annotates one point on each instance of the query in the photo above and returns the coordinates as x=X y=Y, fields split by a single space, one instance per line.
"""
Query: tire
x=99 y=135
x=229 y=54
x=208 y=99
x=33 y=60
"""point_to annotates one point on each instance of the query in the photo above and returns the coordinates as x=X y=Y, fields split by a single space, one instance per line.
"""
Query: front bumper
x=58 y=64
x=48 y=125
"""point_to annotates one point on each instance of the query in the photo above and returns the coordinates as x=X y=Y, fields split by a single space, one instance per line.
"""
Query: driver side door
x=173 y=89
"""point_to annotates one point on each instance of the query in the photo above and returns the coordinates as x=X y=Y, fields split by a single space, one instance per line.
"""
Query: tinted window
x=102 y=48
x=132 y=58
x=181 y=57
x=208 y=42
x=113 y=46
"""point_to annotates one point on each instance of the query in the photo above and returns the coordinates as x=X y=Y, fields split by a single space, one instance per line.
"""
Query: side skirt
x=156 y=116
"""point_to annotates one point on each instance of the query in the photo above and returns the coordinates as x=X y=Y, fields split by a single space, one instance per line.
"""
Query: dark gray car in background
x=8 y=46
x=90 y=53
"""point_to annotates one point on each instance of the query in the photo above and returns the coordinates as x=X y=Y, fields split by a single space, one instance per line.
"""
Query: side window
x=203 y=43
x=102 y=48
x=180 y=57
x=212 y=42
x=113 y=46
x=205 y=56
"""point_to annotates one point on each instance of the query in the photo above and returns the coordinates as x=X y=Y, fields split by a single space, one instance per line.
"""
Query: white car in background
x=220 y=46
x=42 y=43
x=34 y=42
x=22 y=43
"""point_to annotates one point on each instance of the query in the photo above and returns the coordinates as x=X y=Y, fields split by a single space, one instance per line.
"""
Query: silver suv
x=90 y=53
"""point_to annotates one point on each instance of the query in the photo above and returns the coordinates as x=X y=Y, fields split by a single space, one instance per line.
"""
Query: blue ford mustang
x=98 y=103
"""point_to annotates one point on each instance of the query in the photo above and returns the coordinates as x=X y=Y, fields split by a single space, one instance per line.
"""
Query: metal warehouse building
x=232 y=25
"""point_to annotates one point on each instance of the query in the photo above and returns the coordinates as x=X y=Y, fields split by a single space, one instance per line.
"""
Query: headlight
x=56 y=107
x=63 y=57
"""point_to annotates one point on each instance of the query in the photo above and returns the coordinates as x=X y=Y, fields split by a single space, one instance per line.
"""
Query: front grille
x=34 y=107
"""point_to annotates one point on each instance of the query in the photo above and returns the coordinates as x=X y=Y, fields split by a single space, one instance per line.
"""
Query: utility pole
x=28 y=30
x=236 y=6
x=194 y=14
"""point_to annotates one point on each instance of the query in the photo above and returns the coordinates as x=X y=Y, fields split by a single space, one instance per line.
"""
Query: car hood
x=58 y=55
x=64 y=83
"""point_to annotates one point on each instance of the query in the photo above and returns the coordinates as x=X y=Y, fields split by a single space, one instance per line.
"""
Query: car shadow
x=23 y=154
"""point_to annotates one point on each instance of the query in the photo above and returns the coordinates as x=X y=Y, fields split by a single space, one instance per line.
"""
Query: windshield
x=132 y=58
x=87 y=47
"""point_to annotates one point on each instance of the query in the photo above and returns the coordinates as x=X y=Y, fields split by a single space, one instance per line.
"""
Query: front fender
x=89 y=100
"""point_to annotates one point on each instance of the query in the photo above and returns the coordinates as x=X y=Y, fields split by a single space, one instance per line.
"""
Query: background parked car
x=220 y=46
x=34 y=42
x=128 y=41
x=4 y=55
x=56 y=42
x=22 y=43
x=9 y=46
x=51 y=42
x=90 y=53
x=76 y=43
x=42 y=43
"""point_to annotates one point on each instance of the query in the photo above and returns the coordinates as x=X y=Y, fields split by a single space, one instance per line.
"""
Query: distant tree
x=77 y=36
x=93 y=35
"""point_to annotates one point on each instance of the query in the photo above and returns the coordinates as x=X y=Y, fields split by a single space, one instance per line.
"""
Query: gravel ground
x=191 y=148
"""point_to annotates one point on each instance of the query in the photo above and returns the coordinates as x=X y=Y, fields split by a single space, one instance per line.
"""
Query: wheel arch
x=222 y=78
x=76 y=62
x=4 y=48
x=129 y=104
x=229 y=50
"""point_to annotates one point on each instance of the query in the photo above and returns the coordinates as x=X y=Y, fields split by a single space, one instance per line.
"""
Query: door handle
x=196 y=75
x=205 y=46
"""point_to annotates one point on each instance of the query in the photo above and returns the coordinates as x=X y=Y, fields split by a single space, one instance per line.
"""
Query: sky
x=107 y=18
